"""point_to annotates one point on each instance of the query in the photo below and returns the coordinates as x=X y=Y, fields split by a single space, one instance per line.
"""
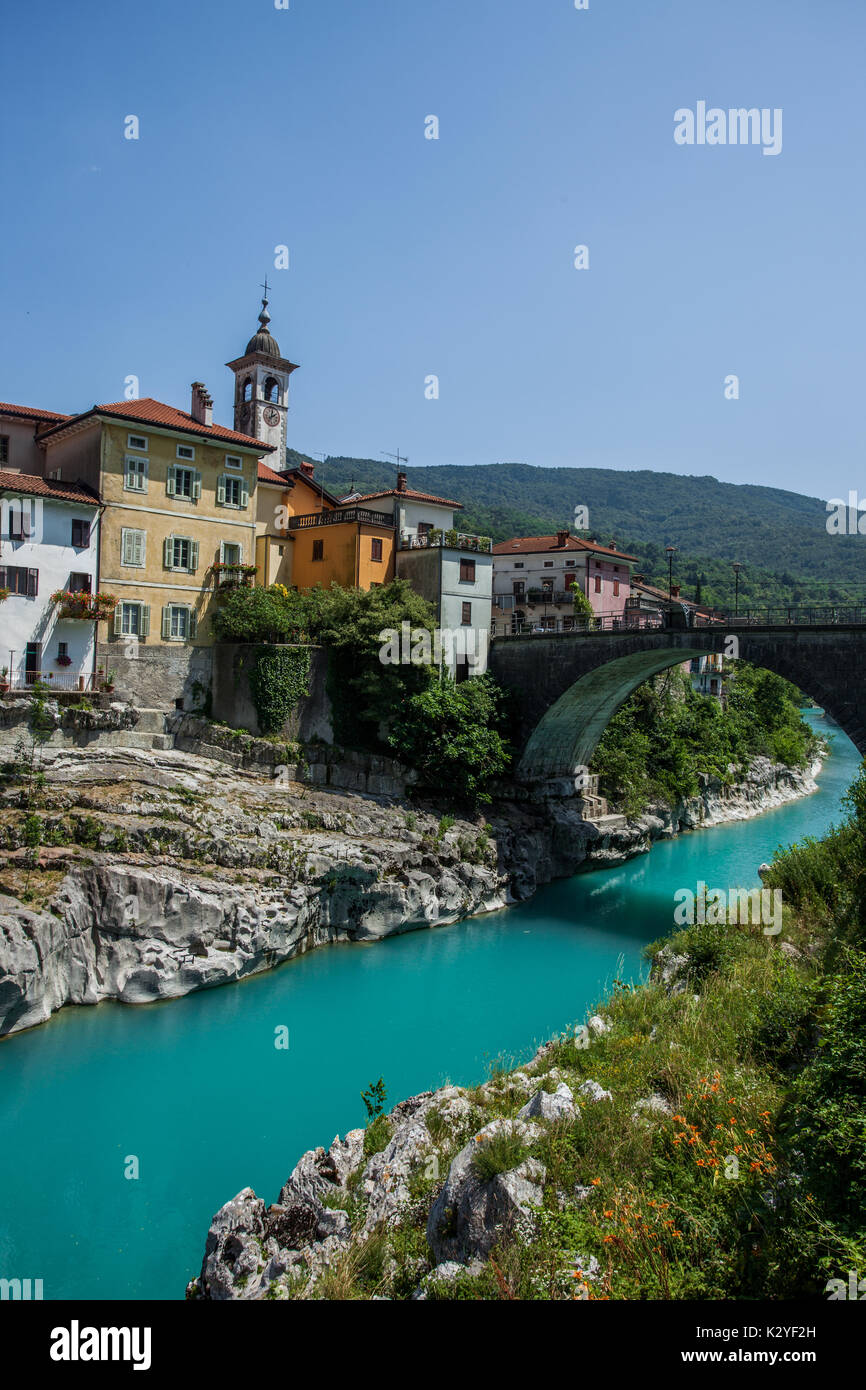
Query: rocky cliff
x=141 y=874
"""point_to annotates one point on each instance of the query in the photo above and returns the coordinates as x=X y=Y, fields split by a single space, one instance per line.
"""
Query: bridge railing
x=813 y=616
x=600 y=622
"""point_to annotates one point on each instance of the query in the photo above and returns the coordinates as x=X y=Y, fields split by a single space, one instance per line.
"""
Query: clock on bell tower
x=262 y=389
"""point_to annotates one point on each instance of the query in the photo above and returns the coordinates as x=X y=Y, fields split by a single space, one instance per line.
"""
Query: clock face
x=271 y=416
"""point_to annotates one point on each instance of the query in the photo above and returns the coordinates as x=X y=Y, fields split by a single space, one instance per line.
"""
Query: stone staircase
x=148 y=733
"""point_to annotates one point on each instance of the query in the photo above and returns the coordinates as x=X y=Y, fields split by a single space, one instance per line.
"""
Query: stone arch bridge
x=567 y=686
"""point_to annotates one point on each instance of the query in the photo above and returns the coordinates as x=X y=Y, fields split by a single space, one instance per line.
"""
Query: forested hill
x=781 y=537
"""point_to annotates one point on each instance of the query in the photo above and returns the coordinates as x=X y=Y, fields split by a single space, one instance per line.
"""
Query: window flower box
x=82 y=605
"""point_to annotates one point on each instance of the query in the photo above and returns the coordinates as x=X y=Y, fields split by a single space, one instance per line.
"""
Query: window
x=80 y=534
x=132 y=547
x=272 y=390
x=548 y=564
x=248 y=389
x=178 y=622
x=185 y=451
x=376 y=549
x=616 y=588
x=135 y=477
x=234 y=461
x=518 y=564
x=230 y=553
x=20 y=525
x=318 y=550
x=466 y=614
x=569 y=564
x=79 y=583
x=424 y=528
x=136 y=441
x=598 y=583
x=518 y=586
x=132 y=619
x=4 y=448
x=62 y=648
x=19 y=580
x=467 y=571
x=181 y=553
x=232 y=492
x=183 y=482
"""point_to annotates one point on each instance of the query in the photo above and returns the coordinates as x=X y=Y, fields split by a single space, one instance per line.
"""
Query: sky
x=412 y=257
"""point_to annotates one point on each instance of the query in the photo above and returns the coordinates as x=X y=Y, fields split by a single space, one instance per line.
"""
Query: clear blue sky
x=411 y=257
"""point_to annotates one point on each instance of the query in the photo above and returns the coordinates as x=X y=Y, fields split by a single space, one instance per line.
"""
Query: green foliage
x=453 y=735
x=498 y=1154
x=261 y=615
x=666 y=735
x=376 y=1135
x=375 y=1099
x=278 y=679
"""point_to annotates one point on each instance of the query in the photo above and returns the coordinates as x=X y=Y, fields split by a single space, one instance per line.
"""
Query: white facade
x=44 y=554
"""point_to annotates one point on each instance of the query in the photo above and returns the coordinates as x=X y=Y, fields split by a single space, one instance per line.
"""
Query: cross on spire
x=265 y=288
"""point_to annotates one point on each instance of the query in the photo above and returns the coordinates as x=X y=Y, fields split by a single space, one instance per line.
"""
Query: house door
x=32 y=656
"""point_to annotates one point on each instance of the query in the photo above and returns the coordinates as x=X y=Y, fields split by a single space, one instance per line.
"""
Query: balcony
x=82 y=605
x=446 y=540
x=340 y=515
x=233 y=576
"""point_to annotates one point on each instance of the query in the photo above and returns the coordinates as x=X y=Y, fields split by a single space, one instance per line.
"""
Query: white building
x=450 y=568
x=533 y=577
x=49 y=541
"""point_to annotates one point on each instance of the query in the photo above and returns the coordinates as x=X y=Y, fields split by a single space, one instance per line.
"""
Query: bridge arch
x=567 y=687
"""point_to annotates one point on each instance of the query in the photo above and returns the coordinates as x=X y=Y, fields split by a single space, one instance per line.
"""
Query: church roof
x=148 y=411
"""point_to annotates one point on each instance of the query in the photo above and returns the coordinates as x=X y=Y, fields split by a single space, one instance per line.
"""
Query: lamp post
x=671 y=551
x=736 y=568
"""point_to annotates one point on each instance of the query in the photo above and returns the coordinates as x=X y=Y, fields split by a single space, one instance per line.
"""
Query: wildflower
x=596 y=1182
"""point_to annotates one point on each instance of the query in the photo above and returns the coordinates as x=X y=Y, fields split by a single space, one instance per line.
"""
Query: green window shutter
x=221 y=490
x=139 y=547
x=170 y=480
x=168 y=552
x=193 y=556
x=222 y=552
x=193 y=624
x=245 y=493
x=118 y=620
x=196 y=486
x=145 y=469
x=166 y=621
x=144 y=625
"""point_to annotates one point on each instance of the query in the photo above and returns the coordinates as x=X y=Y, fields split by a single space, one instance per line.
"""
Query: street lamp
x=671 y=551
x=737 y=567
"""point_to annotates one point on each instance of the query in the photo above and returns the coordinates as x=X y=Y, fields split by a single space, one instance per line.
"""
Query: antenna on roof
x=398 y=458
x=324 y=460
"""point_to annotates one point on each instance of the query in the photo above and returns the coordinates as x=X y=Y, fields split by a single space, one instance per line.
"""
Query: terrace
x=340 y=515
x=446 y=540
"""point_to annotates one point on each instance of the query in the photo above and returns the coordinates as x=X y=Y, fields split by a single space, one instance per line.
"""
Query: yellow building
x=179 y=500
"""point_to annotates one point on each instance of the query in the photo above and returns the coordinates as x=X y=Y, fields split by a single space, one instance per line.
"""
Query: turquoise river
x=196 y=1089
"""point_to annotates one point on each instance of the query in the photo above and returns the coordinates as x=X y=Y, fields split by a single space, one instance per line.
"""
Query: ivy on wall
x=278 y=680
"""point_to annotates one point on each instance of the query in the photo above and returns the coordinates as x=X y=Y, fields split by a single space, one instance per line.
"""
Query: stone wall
x=233 y=704
x=157 y=677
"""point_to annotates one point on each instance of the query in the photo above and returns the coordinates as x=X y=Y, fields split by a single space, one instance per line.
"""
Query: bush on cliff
x=453 y=735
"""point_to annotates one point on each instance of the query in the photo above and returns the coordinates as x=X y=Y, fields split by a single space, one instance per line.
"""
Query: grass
x=499 y=1154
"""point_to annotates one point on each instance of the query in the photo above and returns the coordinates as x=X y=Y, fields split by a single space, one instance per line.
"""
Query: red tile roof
x=536 y=545
x=32 y=486
x=30 y=412
x=151 y=412
x=267 y=475
x=412 y=495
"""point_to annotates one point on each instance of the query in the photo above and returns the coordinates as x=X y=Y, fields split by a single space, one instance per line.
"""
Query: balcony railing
x=600 y=622
x=53 y=680
x=338 y=516
x=447 y=540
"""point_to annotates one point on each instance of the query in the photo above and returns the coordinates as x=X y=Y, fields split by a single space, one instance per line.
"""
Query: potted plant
x=63 y=660
x=4 y=680
x=107 y=684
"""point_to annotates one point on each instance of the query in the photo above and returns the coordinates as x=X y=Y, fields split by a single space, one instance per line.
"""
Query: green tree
x=453 y=735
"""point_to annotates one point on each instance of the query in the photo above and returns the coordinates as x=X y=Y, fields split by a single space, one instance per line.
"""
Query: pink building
x=533 y=577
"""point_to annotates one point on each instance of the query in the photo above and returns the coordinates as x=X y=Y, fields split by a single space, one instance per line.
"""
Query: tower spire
x=264 y=316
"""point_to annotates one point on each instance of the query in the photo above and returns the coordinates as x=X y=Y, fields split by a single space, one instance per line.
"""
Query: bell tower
x=262 y=389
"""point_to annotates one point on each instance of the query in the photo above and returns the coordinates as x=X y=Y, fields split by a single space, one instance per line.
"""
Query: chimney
x=561 y=539
x=201 y=408
x=675 y=591
x=401 y=482
x=307 y=469
x=638 y=578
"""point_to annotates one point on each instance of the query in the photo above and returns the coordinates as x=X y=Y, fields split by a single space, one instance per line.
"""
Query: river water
x=197 y=1092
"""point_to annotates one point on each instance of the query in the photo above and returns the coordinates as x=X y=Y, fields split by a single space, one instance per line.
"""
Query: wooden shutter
x=245 y=493
x=32 y=583
x=170 y=480
x=166 y=621
x=168 y=552
x=221 y=490
x=196 y=485
x=138 y=546
x=118 y=620
x=144 y=625
x=193 y=624
x=193 y=556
